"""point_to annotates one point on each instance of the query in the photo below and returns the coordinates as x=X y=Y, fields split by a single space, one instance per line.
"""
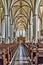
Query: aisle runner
x=21 y=58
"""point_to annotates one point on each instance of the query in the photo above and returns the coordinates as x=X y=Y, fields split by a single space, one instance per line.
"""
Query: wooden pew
x=36 y=51
x=7 y=51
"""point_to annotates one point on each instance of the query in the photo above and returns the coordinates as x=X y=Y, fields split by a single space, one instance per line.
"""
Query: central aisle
x=22 y=57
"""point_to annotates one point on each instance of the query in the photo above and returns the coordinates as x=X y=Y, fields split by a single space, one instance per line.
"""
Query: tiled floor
x=22 y=57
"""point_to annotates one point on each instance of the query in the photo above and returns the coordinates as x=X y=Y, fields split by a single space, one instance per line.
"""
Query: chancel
x=21 y=32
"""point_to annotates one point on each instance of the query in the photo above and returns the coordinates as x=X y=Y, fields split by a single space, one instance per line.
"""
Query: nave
x=21 y=57
x=21 y=21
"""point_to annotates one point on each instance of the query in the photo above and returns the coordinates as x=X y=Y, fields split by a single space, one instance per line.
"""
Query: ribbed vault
x=21 y=10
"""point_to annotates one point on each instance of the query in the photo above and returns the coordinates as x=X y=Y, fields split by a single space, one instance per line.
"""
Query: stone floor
x=22 y=57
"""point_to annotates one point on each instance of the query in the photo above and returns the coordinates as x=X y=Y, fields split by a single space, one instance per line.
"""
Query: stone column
x=3 y=30
x=22 y=32
x=36 y=28
x=7 y=22
x=0 y=26
x=11 y=33
x=7 y=28
x=0 y=31
x=36 y=21
x=31 y=24
x=39 y=29
x=28 y=32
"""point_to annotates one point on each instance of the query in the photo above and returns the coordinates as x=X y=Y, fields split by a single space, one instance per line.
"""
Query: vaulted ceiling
x=21 y=11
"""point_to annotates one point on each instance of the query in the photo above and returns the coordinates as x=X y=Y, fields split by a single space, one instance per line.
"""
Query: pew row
x=6 y=52
x=35 y=52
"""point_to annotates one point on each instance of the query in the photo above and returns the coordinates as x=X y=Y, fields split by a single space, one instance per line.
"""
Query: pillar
x=7 y=22
x=3 y=30
x=28 y=32
x=39 y=29
x=11 y=33
x=0 y=26
x=7 y=28
x=0 y=32
x=31 y=25
x=35 y=17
